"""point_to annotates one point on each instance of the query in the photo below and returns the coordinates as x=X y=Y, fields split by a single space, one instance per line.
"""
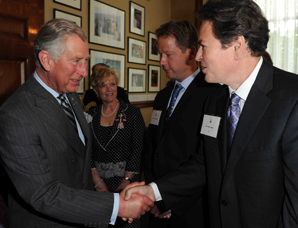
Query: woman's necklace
x=111 y=113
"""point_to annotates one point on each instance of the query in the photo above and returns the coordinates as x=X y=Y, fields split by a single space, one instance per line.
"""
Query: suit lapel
x=222 y=106
x=49 y=110
x=76 y=105
x=255 y=106
x=163 y=106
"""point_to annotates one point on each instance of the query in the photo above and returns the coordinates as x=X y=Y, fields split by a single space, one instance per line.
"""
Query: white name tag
x=155 y=117
x=210 y=125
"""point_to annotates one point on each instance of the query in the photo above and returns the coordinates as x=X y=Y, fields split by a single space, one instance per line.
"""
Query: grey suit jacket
x=255 y=185
x=48 y=164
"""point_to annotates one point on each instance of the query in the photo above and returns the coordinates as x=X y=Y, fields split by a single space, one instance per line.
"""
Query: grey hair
x=52 y=35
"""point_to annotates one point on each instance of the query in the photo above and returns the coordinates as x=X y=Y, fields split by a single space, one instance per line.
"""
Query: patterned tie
x=233 y=117
x=67 y=109
x=178 y=88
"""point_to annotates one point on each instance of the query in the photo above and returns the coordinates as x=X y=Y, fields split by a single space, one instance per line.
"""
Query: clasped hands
x=135 y=200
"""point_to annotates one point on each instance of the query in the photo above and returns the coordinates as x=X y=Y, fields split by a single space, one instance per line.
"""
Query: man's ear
x=239 y=47
x=45 y=60
x=193 y=52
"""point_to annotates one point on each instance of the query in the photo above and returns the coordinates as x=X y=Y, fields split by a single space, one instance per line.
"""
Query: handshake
x=135 y=200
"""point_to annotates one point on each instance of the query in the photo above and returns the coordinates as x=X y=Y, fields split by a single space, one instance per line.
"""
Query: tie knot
x=235 y=99
x=178 y=87
x=61 y=97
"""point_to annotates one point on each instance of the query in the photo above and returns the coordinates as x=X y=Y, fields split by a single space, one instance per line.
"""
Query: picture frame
x=136 y=51
x=106 y=25
x=153 y=53
x=76 y=4
x=153 y=78
x=137 y=19
x=115 y=61
x=136 y=80
x=66 y=15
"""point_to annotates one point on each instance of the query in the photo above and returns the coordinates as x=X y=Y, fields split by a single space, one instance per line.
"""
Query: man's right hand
x=134 y=206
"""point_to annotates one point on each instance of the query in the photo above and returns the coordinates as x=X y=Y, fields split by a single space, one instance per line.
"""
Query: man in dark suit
x=172 y=138
x=46 y=152
x=251 y=161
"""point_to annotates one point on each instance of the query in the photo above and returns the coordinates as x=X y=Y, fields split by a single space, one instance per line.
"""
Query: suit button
x=224 y=202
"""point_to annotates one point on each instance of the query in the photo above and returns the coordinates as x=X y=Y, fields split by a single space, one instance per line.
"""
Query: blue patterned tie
x=67 y=109
x=177 y=89
x=233 y=117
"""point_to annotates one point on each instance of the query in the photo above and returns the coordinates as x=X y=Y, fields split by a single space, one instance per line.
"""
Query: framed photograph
x=106 y=25
x=137 y=19
x=153 y=53
x=153 y=78
x=76 y=4
x=136 y=80
x=136 y=51
x=65 y=15
x=115 y=61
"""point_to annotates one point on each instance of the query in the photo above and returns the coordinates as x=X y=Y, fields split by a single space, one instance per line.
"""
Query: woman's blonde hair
x=101 y=74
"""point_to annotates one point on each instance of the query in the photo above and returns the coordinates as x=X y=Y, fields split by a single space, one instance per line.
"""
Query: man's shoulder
x=18 y=99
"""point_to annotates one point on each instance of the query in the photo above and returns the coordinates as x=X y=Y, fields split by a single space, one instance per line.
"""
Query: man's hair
x=233 y=18
x=183 y=31
x=52 y=36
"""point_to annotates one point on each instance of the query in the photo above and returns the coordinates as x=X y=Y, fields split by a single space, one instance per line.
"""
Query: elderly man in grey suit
x=45 y=142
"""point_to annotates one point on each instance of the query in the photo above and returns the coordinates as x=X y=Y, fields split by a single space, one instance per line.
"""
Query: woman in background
x=118 y=130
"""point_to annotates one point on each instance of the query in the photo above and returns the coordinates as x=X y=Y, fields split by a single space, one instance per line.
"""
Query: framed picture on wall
x=106 y=25
x=115 y=61
x=153 y=53
x=76 y=4
x=153 y=78
x=65 y=15
x=136 y=51
x=136 y=80
x=137 y=19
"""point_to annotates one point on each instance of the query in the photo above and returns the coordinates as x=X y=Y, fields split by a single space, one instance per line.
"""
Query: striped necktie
x=170 y=110
x=233 y=117
x=67 y=109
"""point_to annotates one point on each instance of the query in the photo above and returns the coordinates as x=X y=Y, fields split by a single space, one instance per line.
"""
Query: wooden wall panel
x=19 y=22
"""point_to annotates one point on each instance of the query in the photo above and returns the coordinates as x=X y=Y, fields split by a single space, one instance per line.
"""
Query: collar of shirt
x=245 y=87
x=186 y=82
x=55 y=94
x=44 y=85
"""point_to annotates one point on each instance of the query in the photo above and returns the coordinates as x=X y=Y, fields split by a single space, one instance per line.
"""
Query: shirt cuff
x=115 y=209
x=156 y=191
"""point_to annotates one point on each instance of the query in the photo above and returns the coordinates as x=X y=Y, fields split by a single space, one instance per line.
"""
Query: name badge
x=155 y=117
x=210 y=125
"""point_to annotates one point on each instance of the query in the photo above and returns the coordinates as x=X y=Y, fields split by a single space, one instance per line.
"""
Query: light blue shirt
x=82 y=137
x=185 y=83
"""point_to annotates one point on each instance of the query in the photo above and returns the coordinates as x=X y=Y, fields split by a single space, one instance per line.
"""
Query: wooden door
x=20 y=21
